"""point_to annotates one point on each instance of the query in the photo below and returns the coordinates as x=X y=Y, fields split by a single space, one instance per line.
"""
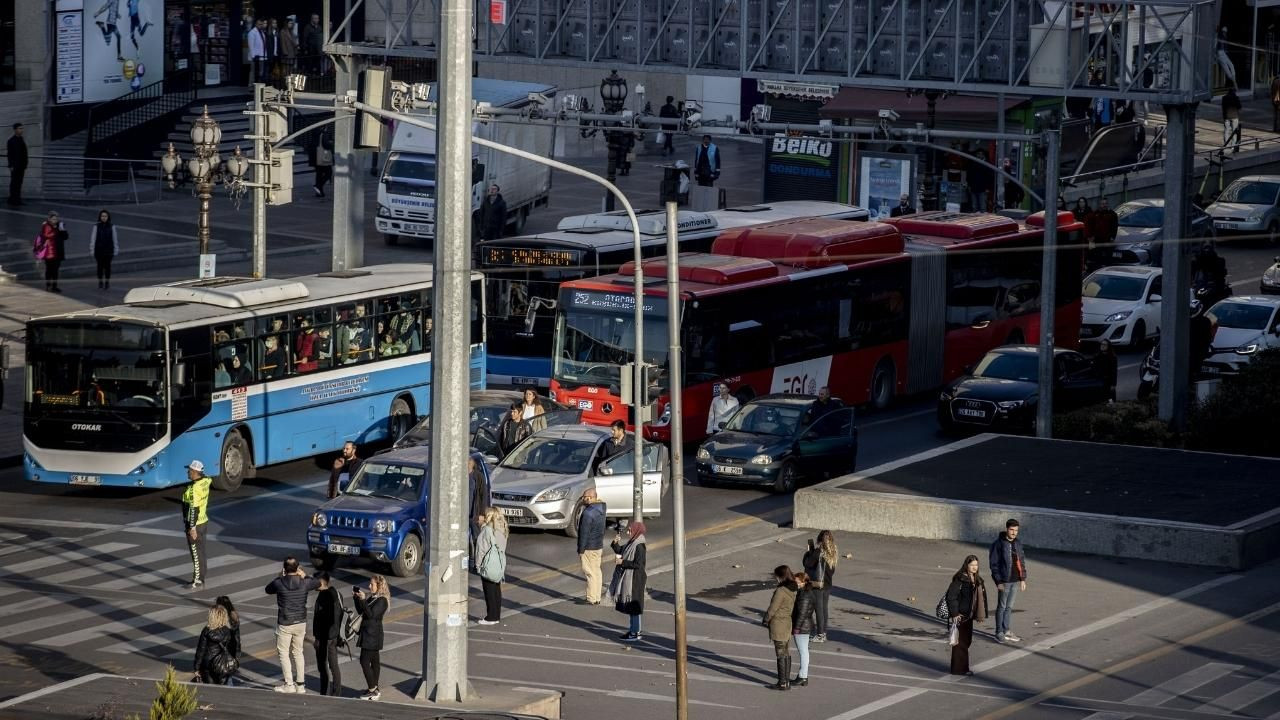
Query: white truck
x=407 y=190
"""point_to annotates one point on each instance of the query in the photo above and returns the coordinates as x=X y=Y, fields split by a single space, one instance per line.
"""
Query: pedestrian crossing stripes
x=1183 y=685
x=179 y=572
x=1244 y=696
x=29 y=566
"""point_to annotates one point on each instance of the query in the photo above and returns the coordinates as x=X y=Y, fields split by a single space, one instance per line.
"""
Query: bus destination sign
x=531 y=257
x=601 y=300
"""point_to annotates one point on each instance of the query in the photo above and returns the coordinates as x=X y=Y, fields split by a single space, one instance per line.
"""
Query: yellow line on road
x=1131 y=662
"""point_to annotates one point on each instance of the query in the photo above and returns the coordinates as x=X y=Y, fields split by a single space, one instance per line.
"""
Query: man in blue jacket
x=706 y=163
x=1009 y=572
x=591 y=542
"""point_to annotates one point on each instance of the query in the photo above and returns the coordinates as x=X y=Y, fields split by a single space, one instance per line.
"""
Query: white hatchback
x=1121 y=304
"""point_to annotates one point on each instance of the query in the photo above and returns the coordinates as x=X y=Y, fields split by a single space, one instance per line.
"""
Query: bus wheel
x=882 y=385
x=236 y=462
x=391 y=239
x=409 y=560
x=401 y=419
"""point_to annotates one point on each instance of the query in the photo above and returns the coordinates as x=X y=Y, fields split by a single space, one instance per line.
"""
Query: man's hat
x=196 y=465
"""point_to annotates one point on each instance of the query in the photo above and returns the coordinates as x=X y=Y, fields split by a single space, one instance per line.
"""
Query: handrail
x=172 y=94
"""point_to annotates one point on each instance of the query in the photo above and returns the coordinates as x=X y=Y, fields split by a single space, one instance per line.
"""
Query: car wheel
x=1139 y=336
x=883 y=383
x=571 y=530
x=409 y=560
x=391 y=239
x=400 y=420
x=236 y=463
x=788 y=478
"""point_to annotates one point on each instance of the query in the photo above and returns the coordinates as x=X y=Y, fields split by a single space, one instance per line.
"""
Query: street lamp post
x=613 y=95
x=205 y=169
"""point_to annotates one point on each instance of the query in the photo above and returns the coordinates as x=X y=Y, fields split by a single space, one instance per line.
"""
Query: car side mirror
x=491 y=459
x=721 y=425
x=1155 y=298
x=604 y=471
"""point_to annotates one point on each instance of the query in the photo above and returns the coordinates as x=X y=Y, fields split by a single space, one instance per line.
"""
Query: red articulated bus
x=870 y=310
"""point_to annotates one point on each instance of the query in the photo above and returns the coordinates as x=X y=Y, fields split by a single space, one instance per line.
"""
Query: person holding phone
x=820 y=566
x=372 y=605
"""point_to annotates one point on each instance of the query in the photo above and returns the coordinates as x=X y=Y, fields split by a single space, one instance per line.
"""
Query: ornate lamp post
x=613 y=95
x=205 y=169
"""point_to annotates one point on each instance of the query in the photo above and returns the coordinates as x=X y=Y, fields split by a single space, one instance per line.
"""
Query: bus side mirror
x=179 y=374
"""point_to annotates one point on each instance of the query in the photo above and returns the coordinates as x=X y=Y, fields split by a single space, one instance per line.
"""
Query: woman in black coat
x=372 y=605
x=325 y=629
x=233 y=622
x=820 y=565
x=215 y=657
x=629 y=578
x=804 y=617
x=966 y=602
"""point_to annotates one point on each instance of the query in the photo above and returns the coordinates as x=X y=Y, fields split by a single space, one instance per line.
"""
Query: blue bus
x=523 y=274
x=234 y=372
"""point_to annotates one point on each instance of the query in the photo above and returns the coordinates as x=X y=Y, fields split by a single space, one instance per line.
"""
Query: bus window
x=308 y=342
x=275 y=358
x=236 y=370
x=353 y=333
x=401 y=321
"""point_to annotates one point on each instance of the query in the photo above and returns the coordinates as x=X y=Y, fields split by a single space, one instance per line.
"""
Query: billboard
x=107 y=48
x=801 y=168
x=883 y=178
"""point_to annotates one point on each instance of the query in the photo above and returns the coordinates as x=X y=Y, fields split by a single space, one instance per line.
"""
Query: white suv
x=1121 y=304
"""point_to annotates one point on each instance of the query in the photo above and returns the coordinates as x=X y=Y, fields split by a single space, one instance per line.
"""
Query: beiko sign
x=801 y=168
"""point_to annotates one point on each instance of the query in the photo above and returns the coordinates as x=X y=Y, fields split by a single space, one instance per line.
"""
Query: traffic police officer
x=195 y=518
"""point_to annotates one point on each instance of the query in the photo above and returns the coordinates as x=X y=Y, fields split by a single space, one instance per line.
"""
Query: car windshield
x=1009 y=366
x=551 y=454
x=388 y=480
x=1241 y=315
x=1140 y=215
x=1114 y=287
x=1250 y=192
x=766 y=419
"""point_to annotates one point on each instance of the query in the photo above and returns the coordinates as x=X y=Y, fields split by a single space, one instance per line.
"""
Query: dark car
x=488 y=409
x=1000 y=392
x=779 y=440
x=381 y=515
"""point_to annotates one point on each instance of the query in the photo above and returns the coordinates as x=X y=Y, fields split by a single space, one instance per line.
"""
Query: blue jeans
x=1004 y=607
x=634 y=626
x=802 y=646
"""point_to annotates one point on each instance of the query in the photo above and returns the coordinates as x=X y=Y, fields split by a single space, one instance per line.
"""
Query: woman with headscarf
x=966 y=603
x=104 y=245
x=629 y=577
x=51 y=247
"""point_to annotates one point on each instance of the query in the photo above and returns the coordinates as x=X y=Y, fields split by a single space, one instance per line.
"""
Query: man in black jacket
x=347 y=464
x=1009 y=572
x=16 y=149
x=493 y=214
x=512 y=430
x=904 y=207
x=669 y=133
x=291 y=590
x=591 y=542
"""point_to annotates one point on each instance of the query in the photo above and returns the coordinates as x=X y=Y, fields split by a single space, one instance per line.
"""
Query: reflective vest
x=195 y=502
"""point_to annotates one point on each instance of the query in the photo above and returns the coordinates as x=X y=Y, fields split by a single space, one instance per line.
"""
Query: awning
x=962 y=112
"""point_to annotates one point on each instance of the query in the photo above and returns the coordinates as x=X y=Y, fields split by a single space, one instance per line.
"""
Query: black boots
x=784 y=674
x=800 y=682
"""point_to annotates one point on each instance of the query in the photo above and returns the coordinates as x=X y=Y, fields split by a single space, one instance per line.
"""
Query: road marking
x=178 y=572
x=886 y=421
x=1182 y=684
x=1137 y=660
x=1242 y=697
x=94 y=611
x=62 y=558
x=115 y=626
x=131 y=564
x=59 y=687
x=1039 y=647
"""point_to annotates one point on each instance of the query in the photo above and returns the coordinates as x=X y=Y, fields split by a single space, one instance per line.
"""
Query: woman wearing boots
x=803 y=619
x=966 y=602
x=820 y=565
x=104 y=245
x=778 y=619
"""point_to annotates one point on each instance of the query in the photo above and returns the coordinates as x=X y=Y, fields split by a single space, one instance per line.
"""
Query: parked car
x=778 y=441
x=381 y=514
x=541 y=482
x=488 y=409
x=1270 y=284
x=1246 y=325
x=1001 y=391
x=1141 y=231
x=1250 y=205
x=1121 y=304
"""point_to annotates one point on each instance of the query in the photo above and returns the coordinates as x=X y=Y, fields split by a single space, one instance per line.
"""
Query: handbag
x=953 y=637
x=324 y=156
x=224 y=663
x=662 y=138
x=942 y=611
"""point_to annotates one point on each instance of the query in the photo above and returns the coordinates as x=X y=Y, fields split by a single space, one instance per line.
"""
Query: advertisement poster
x=801 y=168
x=882 y=180
x=123 y=47
x=69 y=43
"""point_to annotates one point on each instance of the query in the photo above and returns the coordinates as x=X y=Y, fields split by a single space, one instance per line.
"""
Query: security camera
x=889 y=115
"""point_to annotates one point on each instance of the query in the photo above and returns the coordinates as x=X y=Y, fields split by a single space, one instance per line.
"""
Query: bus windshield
x=592 y=346
x=97 y=366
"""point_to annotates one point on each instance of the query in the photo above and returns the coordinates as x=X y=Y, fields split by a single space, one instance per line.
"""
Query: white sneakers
x=374 y=694
x=297 y=689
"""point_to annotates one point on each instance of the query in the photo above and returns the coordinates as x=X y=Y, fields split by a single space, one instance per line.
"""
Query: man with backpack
x=326 y=630
x=291 y=590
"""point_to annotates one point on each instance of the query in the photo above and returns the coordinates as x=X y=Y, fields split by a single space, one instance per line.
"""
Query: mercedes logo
x=608 y=408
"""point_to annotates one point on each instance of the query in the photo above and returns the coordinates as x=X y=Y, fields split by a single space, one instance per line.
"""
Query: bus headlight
x=319 y=520
x=762 y=459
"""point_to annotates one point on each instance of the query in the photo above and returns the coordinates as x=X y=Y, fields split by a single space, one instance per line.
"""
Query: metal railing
x=153 y=103
x=69 y=178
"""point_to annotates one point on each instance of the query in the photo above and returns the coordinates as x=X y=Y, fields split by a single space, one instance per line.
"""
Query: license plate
x=1225 y=225
x=86 y=479
x=1117 y=255
x=419 y=228
x=969 y=412
x=337 y=549
x=1210 y=370
x=726 y=469
x=1086 y=332
x=512 y=512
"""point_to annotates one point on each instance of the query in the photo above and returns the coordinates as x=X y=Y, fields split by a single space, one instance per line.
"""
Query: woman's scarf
x=623 y=585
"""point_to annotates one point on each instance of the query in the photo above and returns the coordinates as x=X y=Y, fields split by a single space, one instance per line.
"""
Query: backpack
x=349 y=626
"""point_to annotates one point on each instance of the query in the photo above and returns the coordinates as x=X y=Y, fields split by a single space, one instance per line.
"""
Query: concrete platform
x=1147 y=503
x=102 y=695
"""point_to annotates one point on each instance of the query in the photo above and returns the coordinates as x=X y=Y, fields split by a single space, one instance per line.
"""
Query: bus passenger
x=275 y=362
x=221 y=375
x=240 y=375
x=390 y=346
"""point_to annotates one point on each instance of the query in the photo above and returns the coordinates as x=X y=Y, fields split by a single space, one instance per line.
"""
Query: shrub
x=1123 y=423
x=174 y=701
x=1240 y=416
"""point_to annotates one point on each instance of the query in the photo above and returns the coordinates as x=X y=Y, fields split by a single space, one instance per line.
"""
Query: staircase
x=18 y=262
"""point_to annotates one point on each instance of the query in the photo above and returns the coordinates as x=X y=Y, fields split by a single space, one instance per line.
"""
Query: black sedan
x=779 y=440
x=1001 y=391
x=488 y=408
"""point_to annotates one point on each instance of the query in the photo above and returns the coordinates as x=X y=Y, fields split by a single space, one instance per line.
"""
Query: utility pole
x=348 y=179
x=444 y=651
x=1175 y=373
x=677 y=459
x=1048 y=284
x=261 y=178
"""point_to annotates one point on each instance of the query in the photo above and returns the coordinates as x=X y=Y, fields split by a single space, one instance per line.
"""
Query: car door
x=1079 y=382
x=827 y=445
x=615 y=480
x=1151 y=308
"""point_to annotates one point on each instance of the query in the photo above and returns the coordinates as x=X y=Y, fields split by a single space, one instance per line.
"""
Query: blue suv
x=381 y=514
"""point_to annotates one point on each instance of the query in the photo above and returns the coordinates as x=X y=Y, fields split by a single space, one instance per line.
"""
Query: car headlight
x=703 y=454
x=945 y=396
x=1255 y=218
x=1010 y=404
x=552 y=495
x=319 y=520
x=384 y=211
x=762 y=459
x=1249 y=349
x=1117 y=317
x=384 y=526
x=665 y=418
